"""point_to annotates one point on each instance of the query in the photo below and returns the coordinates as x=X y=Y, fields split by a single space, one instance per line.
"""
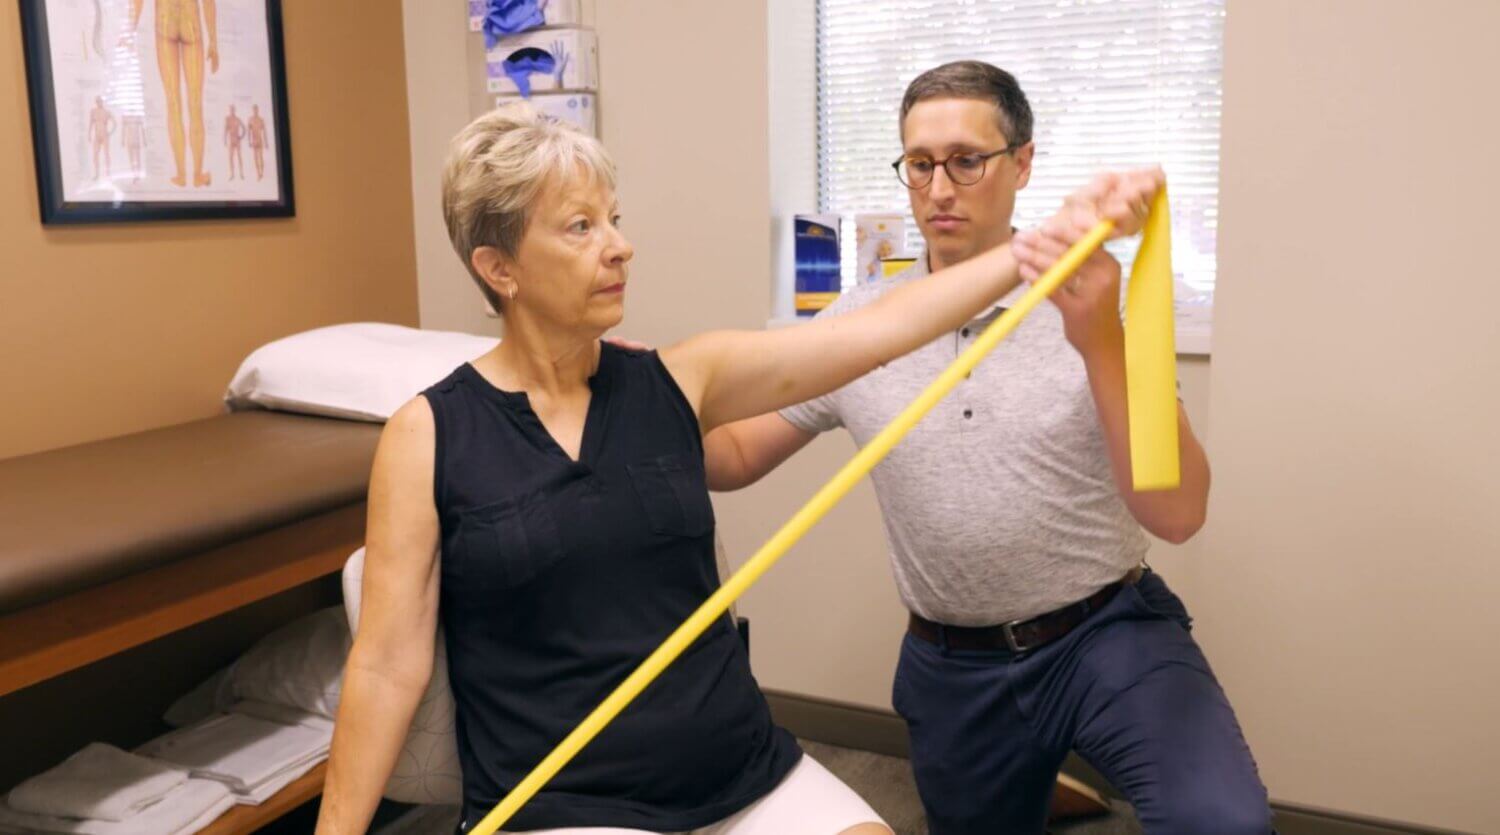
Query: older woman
x=547 y=501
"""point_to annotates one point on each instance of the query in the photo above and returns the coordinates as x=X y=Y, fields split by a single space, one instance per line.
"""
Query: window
x=1112 y=83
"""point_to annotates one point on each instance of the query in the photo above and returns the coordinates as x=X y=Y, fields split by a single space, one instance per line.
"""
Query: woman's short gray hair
x=496 y=168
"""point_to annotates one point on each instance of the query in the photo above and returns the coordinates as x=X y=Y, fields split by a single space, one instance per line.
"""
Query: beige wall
x=1346 y=593
x=690 y=147
x=440 y=59
x=106 y=330
x=111 y=329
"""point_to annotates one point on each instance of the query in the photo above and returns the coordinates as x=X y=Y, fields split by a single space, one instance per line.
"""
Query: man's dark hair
x=974 y=80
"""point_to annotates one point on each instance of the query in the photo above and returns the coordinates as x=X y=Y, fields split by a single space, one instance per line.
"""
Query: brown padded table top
x=83 y=515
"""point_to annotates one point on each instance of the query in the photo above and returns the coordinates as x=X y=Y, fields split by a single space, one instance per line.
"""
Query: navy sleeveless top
x=560 y=577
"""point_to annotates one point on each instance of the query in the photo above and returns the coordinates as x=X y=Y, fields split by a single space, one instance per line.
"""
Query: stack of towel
x=102 y=790
x=255 y=751
x=175 y=784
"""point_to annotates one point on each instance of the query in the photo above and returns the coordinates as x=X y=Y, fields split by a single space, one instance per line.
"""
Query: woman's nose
x=620 y=249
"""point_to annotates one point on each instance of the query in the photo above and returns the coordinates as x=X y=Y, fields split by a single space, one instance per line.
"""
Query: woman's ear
x=496 y=270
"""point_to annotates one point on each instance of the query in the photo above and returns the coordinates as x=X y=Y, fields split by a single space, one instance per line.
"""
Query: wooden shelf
x=52 y=638
x=243 y=819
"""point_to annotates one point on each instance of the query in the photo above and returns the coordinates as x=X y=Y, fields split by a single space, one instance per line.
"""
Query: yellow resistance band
x=1151 y=357
x=830 y=495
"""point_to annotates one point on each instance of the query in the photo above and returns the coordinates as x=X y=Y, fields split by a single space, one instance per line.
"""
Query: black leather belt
x=1020 y=635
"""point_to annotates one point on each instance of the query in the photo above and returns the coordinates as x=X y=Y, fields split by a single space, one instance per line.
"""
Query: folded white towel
x=184 y=810
x=100 y=782
x=258 y=794
x=243 y=752
x=209 y=815
x=283 y=715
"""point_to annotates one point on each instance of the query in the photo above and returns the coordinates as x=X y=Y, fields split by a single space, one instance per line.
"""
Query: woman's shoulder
x=633 y=352
x=412 y=424
x=448 y=384
x=406 y=444
x=616 y=360
x=453 y=392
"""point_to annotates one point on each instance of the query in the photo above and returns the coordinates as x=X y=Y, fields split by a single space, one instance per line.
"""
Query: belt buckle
x=1008 y=630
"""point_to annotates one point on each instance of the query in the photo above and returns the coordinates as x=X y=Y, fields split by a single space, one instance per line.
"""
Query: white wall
x=439 y=66
x=1347 y=591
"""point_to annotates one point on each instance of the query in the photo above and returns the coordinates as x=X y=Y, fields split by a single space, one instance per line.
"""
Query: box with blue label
x=818 y=260
x=577 y=109
x=544 y=60
x=518 y=15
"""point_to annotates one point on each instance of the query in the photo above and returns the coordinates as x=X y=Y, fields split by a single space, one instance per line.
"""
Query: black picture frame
x=57 y=210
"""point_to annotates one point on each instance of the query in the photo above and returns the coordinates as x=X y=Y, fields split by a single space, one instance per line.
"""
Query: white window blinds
x=1112 y=83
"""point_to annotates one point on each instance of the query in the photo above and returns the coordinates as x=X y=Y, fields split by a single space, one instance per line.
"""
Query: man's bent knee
x=1246 y=814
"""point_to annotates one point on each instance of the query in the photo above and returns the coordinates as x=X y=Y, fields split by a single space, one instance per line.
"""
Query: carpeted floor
x=886 y=782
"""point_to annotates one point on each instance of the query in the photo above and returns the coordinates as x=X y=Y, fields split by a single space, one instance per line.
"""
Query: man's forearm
x=1173 y=515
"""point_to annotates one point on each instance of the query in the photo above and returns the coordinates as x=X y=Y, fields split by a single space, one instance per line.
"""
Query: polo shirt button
x=964 y=332
x=968 y=413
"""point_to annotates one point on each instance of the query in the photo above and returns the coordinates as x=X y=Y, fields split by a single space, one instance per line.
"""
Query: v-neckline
x=519 y=404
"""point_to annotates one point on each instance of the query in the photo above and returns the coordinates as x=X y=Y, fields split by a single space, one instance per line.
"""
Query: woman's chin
x=605 y=317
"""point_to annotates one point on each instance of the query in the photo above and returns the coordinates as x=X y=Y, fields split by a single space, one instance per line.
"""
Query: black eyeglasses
x=963 y=169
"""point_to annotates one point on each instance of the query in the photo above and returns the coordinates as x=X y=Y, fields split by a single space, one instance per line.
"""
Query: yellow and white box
x=876 y=237
x=581 y=110
x=554 y=13
x=544 y=61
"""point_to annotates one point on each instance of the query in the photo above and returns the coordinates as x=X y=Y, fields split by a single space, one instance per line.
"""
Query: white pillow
x=359 y=371
x=427 y=770
x=300 y=665
x=199 y=703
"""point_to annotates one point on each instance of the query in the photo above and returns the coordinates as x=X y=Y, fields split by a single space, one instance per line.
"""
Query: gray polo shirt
x=1000 y=504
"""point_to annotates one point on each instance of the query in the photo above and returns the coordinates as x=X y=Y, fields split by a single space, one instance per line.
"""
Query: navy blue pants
x=1129 y=690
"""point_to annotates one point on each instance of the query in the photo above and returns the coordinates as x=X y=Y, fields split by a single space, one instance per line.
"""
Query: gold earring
x=512 y=292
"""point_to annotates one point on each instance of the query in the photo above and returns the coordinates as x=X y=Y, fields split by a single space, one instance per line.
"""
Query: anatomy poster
x=171 y=104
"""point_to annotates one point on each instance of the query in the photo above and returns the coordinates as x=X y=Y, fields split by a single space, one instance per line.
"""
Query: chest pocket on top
x=674 y=492
x=505 y=544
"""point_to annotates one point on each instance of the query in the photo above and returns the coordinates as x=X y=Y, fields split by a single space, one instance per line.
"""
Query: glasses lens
x=966 y=169
x=915 y=172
